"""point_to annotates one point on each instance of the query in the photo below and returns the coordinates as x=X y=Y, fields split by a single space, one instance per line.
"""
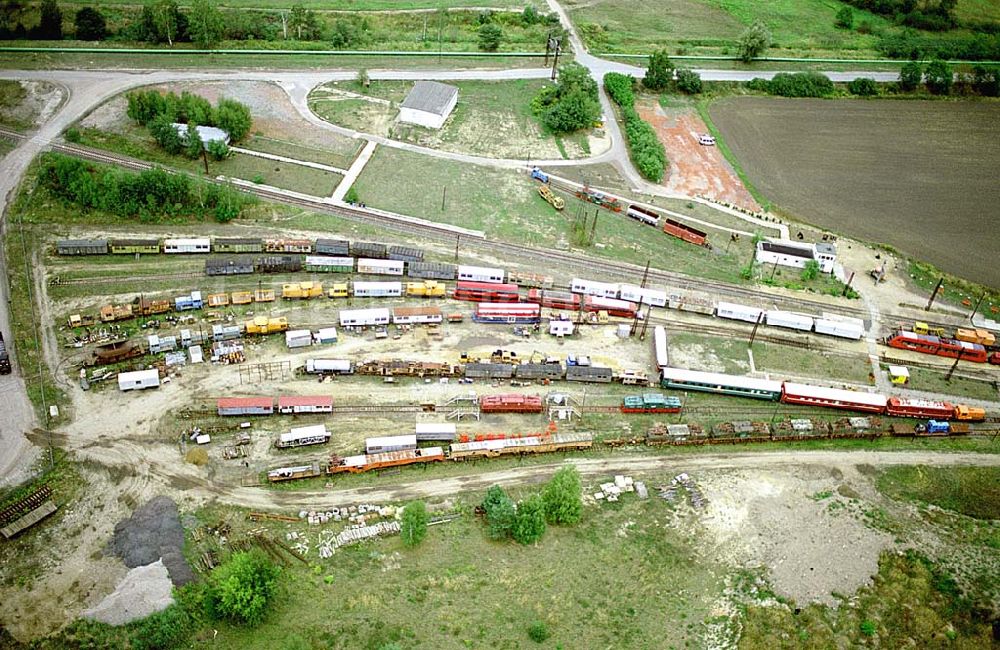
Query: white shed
x=561 y=328
x=139 y=379
x=298 y=339
x=364 y=317
x=429 y=104
x=326 y=335
x=196 y=355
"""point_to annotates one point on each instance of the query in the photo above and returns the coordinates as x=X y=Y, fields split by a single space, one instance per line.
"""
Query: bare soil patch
x=695 y=170
x=920 y=175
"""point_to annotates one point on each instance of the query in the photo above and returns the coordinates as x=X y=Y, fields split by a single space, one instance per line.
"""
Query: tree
x=845 y=18
x=572 y=104
x=414 y=525
x=688 y=81
x=753 y=42
x=206 y=24
x=499 y=512
x=563 y=497
x=529 y=521
x=530 y=15
x=145 y=105
x=351 y=196
x=345 y=34
x=659 y=72
x=50 y=24
x=192 y=142
x=90 y=24
x=863 y=87
x=490 y=35
x=165 y=133
x=986 y=81
x=217 y=149
x=363 y=80
x=939 y=77
x=910 y=76
x=305 y=23
x=810 y=271
x=234 y=118
x=242 y=586
x=166 y=19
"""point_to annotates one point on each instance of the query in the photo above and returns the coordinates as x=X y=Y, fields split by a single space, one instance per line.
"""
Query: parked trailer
x=593 y=288
x=481 y=274
x=508 y=312
x=183 y=246
x=660 y=347
x=431 y=270
x=328 y=367
x=687 y=233
x=379 y=266
x=390 y=443
x=369 y=462
x=298 y=339
x=138 y=380
x=303 y=436
x=377 y=289
x=642 y=214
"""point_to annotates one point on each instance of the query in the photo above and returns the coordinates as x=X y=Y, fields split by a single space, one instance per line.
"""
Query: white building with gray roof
x=428 y=104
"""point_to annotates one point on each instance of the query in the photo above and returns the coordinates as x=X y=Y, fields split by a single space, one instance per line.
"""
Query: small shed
x=560 y=328
x=899 y=375
x=429 y=104
x=298 y=339
x=326 y=335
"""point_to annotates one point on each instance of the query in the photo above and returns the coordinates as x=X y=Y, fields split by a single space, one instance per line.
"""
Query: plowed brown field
x=923 y=176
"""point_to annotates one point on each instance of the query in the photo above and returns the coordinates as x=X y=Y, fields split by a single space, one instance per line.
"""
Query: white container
x=364 y=317
x=139 y=379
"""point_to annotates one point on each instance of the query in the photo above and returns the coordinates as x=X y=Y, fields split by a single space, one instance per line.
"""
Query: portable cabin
x=390 y=443
x=480 y=274
x=377 y=289
x=405 y=254
x=416 y=315
x=298 y=339
x=561 y=328
x=324 y=264
x=226 y=332
x=82 y=246
x=159 y=344
x=335 y=247
x=134 y=246
x=193 y=301
x=199 y=245
x=369 y=250
x=364 y=317
x=380 y=266
x=139 y=379
x=328 y=367
x=325 y=335
x=431 y=270
x=296 y=404
x=239 y=245
x=227 y=406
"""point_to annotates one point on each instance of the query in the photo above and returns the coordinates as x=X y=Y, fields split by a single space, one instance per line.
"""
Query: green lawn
x=972 y=491
x=343 y=5
x=505 y=205
x=340 y=152
x=933 y=381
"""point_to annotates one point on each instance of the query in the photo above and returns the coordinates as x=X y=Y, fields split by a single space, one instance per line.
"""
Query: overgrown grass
x=955 y=291
x=972 y=491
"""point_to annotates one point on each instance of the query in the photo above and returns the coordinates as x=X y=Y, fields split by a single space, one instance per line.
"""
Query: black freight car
x=240 y=265
x=82 y=246
x=369 y=250
x=4 y=358
x=431 y=270
x=539 y=371
x=489 y=370
x=333 y=247
x=278 y=264
x=406 y=254
x=594 y=374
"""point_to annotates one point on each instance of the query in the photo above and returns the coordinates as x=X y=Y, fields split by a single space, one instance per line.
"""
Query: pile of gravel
x=144 y=591
x=153 y=532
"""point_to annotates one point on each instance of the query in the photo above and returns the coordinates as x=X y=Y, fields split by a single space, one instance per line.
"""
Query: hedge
x=644 y=146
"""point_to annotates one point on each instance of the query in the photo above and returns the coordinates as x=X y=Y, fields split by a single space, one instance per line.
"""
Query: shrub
x=218 y=149
x=939 y=77
x=414 y=525
x=571 y=104
x=499 y=509
x=72 y=134
x=193 y=145
x=645 y=148
x=538 y=632
x=868 y=628
x=688 y=81
x=845 y=18
x=50 y=24
x=530 y=16
x=759 y=84
x=863 y=87
x=910 y=76
x=753 y=42
x=234 y=118
x=163 y=630
x=490 y=35
x=563 y=497
x=800 y=84
x=90 y=24
x=619 y=87
x=986 y=81
x=529 y=521
x=163 y=131
x=659 y=71
x=352 y=195
x=242 y=586
x=810 y=271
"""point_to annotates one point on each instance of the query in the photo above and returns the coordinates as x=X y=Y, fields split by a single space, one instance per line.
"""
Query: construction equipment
x=546 y=193
x=924 y=328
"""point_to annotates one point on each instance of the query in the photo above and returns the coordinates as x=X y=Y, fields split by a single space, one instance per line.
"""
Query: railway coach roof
x=719 y=379
x=834 y=394
x=245 y=402
x=305 y=400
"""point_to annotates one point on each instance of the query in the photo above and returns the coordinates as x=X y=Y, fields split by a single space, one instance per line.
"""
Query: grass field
x=916 y=174
x=933 y=381
x=506 y=205
x=339 y=154
x=346 y=5
x=491 y=118
x=972 y=491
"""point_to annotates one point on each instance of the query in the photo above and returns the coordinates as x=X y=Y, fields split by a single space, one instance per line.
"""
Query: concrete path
x=293 y=161
x=352 y=174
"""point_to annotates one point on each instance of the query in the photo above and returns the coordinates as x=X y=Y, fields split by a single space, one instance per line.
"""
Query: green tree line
x=644 y=146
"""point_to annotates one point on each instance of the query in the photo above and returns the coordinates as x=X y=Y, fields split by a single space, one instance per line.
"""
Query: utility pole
x=555 y=59
x=847 y=286
x=458 y=239
x=982 y=297
x=753 y=333
x=645 y=322
x=441 y=12
x=548 y=48
x=444 y=193
x=934 y=294
x=593 y=226
x=645 y=274
x=204 y=156
x=951 y=370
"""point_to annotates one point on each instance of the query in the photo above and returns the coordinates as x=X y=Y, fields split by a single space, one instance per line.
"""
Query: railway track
x=102 y=279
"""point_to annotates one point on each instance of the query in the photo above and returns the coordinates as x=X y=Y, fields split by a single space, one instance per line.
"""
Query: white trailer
x=377 y=289
x=737 y=312
x=594 y=288
x=416 y=315
x=390 y=443
x=380 y=267
x=788 y=319
x=638 y=294
x=364 y=317
x=839 y=328
x=298 y=339
x=561 y=328
x=480 y=274
x=328 y=366
x=301 y=436
x=139 y=379
x=187 y=245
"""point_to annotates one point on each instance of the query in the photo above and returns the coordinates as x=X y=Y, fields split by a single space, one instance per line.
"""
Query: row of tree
x=559 y=503
x=146 y=195
x=937 y=77
x=644 y=146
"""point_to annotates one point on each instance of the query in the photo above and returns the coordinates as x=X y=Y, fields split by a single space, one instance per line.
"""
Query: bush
x=986 y=81
x=863 y=87
x=939 y=77
x=645 y=148
x=165 y=133
x=563 y=497
x=193 y=146
x=800 y=84
x=217 y=149
x=571 y=104
x=50 y=24
x=414 y=525
x=163 y=630
x=868 y=628
x=759 y=84
x=242 y=586
x=538 y=632
x=619 y=87
x=72 y=135
x=753 y=42
x=352 y=195
x=688 y=81
x=529 y=521
x=499 y=509
x=490 y=35
x=910 y=76
x=845 y=18
x=90 y=24
x=234 y=118
x=810 y=271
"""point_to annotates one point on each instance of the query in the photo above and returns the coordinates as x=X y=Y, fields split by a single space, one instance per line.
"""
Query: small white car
x=706 y=140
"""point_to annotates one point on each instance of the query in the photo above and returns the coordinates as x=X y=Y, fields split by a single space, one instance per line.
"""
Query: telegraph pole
x=645 y=323
x=753 y=333
x=982 y=297
x=555 y=59
x=848 y=285
x=951 y=370
x=458 y=238
x=645 y=274
x=934 y=294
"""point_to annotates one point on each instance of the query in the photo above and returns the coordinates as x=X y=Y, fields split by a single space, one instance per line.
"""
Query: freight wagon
x=687 y=233
x=292 y=473
x=144 y=307
x=510 y=403
x=642 y=214
x=524 y=445
x=303 y=436
x=369 y=250
x=789 y=320
x=530 y=279
x=592 y=374
x=229 y=266
x=334 y=247
x=379 y=266
x=385 y=444
x=368 y=462
x=287 y=246
x=489 y=370
x=82 y=247
x=138 y=380
x=650 y=403
x=636 y=294
x=238 y=245
x=134 y=246
x=486 y=292
x=278 y=264
x=323 y=264
x=481 y=274
x=405 y=254
x=432 y=270
x=551 y=371
x=183 y=246
x=377 y=289
x=435 y=431
x=240 y=406
x=738 y=312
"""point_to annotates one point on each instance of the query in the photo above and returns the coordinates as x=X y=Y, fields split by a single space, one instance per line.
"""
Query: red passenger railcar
x=486 y=292
x=554 y=299
x=920 y=408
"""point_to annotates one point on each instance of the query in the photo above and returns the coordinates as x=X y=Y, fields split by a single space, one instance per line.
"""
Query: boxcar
x=405 y=254
x=644 y=215
x=324 y=264
x=593 y=374
x=687 y=233
x=489 y=370
x=229 y=266
x=431 y=270
x=380 y=266
x=133 y=246
x=278 y=264
x=238 y=245
x=539 y=371
x=82 y=246
x=288 y=246
x=334 y=247
x=369 y=250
